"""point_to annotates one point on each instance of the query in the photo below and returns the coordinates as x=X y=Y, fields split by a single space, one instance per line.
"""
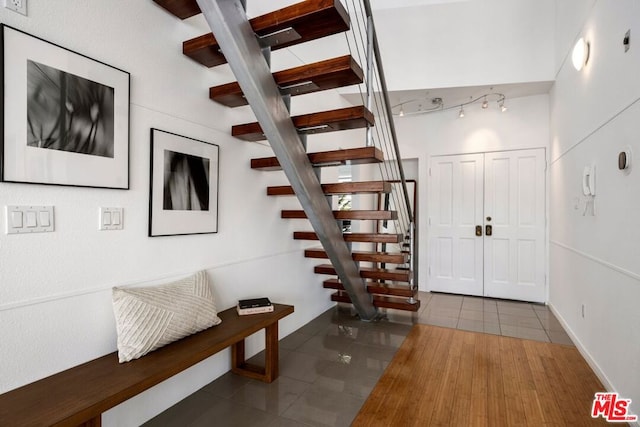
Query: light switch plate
x=29 y=219
x=111 y=219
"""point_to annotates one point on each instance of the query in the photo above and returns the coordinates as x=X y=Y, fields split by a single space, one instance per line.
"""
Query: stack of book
x=254 y=306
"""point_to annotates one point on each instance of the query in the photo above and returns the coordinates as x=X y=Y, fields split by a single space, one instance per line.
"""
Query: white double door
x=487 y=224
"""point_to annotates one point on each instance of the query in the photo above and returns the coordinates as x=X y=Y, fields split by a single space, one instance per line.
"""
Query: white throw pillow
x=151 y=317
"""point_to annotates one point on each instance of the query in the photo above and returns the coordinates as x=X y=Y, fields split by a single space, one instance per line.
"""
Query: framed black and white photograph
x=65 y=116
x=184 y=185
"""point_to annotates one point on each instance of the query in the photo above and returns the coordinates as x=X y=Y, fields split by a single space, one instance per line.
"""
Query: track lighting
x=501 y=105
x=416 y=106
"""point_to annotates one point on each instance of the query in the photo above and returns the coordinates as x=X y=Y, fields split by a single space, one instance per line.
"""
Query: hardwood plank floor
x=448 y=377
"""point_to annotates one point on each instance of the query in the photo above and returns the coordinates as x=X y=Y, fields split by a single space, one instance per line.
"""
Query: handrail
x=363 y=43
x=387 y=103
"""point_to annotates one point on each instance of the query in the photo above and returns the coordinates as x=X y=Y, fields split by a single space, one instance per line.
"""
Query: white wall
x=55 y=299
x=594 y=260
x=467 y=43
x=524 y=125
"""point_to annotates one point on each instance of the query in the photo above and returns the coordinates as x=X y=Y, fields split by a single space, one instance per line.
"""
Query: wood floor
x=448 y=377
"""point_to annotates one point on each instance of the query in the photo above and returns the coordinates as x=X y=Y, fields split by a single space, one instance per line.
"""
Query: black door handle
x=479 y=230
x=488 y=230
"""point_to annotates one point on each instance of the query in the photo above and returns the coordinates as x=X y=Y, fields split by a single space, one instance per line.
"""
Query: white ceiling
x=419 y=99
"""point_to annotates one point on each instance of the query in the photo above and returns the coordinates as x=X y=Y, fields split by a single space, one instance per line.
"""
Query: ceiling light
x=501 y=104
x=461 y=113
x=485 y=103
x=401 y=111
x=580 y=54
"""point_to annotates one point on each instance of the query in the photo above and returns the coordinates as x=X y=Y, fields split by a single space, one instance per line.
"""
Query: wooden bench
x=78 y=396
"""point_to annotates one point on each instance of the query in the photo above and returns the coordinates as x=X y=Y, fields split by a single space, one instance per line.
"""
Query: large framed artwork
x=65 y=116
x=184 y=185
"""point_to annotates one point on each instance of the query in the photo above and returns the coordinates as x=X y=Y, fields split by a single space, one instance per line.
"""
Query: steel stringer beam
x=229 y=23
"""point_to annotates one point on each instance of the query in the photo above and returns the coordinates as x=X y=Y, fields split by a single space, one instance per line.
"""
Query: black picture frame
x=65 y=116
x=183 y=185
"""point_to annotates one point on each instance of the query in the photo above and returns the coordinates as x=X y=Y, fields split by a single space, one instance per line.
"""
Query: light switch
x=45 y=220
x=111 y=219
x=31 y=219
x=16 y=219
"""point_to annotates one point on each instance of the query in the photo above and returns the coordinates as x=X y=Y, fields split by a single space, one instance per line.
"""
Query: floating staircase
x=299 y=23
x=325 y=121
x=347 y=215
x=309 y=78
x=352 y=156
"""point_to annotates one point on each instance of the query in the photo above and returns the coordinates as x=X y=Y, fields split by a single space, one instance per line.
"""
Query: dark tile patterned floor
x=329 y=366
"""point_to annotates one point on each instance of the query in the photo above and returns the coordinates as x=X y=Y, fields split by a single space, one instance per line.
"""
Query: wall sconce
x=580 y=54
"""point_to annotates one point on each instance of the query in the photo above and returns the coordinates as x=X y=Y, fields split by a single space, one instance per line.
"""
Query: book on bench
x=254 y=306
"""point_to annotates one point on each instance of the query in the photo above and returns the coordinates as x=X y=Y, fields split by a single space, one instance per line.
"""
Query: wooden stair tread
x=365 y=187
x=363 y=256
x=376 y=288
x=369 y=273
x=183 y=9
x=381 y=302
x=324 y=121
x=353 y=156
x=353 y=237
x=350 y=215
x=323 y=75
x=310 y=19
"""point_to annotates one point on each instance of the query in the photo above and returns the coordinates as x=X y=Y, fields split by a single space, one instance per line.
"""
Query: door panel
x=456 y=209
x=504 y=190
x=514 y=199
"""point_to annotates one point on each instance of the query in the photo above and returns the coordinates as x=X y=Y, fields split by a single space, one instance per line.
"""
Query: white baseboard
x=587 y=357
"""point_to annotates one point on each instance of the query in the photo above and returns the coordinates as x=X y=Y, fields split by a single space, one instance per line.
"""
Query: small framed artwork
x=184 y=185
x=65 y=116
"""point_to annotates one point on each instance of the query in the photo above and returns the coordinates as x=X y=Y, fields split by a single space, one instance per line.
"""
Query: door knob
x=479 y=230
x=488 y=230
x=488 y=218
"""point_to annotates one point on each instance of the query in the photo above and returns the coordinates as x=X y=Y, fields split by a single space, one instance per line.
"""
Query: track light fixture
x=415 y=106
x=503 y=108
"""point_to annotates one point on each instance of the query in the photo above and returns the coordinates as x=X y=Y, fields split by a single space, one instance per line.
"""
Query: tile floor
x=329 y=366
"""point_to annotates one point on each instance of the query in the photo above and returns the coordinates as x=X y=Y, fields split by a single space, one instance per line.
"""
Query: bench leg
x=269 y=372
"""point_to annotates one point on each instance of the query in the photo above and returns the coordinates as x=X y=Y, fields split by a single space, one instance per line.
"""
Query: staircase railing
x=363 y=44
